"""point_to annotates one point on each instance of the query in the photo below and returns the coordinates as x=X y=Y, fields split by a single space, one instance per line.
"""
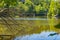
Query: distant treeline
x=35 y=7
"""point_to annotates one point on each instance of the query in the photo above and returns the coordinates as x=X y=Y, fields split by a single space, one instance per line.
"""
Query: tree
x=52 y=9
x=37 y=8
x=1 y=4
x=9 y=3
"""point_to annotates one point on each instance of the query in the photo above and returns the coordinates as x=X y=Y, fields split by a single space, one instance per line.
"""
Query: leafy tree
x=37 y=8
x=52 y=9
x=9 y=3
x=1 y=4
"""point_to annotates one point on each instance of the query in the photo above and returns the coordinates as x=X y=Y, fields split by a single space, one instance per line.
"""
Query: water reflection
x=42 y=36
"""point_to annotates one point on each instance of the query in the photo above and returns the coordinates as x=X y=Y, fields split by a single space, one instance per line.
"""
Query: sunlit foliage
x=1 y=3
x=8 y=3
x=37 y=8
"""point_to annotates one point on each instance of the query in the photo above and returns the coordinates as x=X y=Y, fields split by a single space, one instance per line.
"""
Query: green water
x=37 y=26
x=30 y=26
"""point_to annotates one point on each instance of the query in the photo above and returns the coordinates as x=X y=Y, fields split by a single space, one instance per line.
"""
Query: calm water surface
x=44 y=29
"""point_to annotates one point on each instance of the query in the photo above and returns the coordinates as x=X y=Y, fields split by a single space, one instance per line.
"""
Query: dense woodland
x=30 y=8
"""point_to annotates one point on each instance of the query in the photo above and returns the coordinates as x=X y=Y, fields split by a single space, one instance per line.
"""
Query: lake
x=29 y=27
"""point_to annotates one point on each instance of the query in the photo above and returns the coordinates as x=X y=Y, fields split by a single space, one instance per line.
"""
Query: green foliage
x=37 y=8
x=58 y=4
x=25 y=8
x=22 y=7
x=1 y=3
x=32 y=5
x=52 y=9
x=28 y=3
x=8 y=2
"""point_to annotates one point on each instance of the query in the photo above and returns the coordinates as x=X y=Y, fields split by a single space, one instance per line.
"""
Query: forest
x=31 y=7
